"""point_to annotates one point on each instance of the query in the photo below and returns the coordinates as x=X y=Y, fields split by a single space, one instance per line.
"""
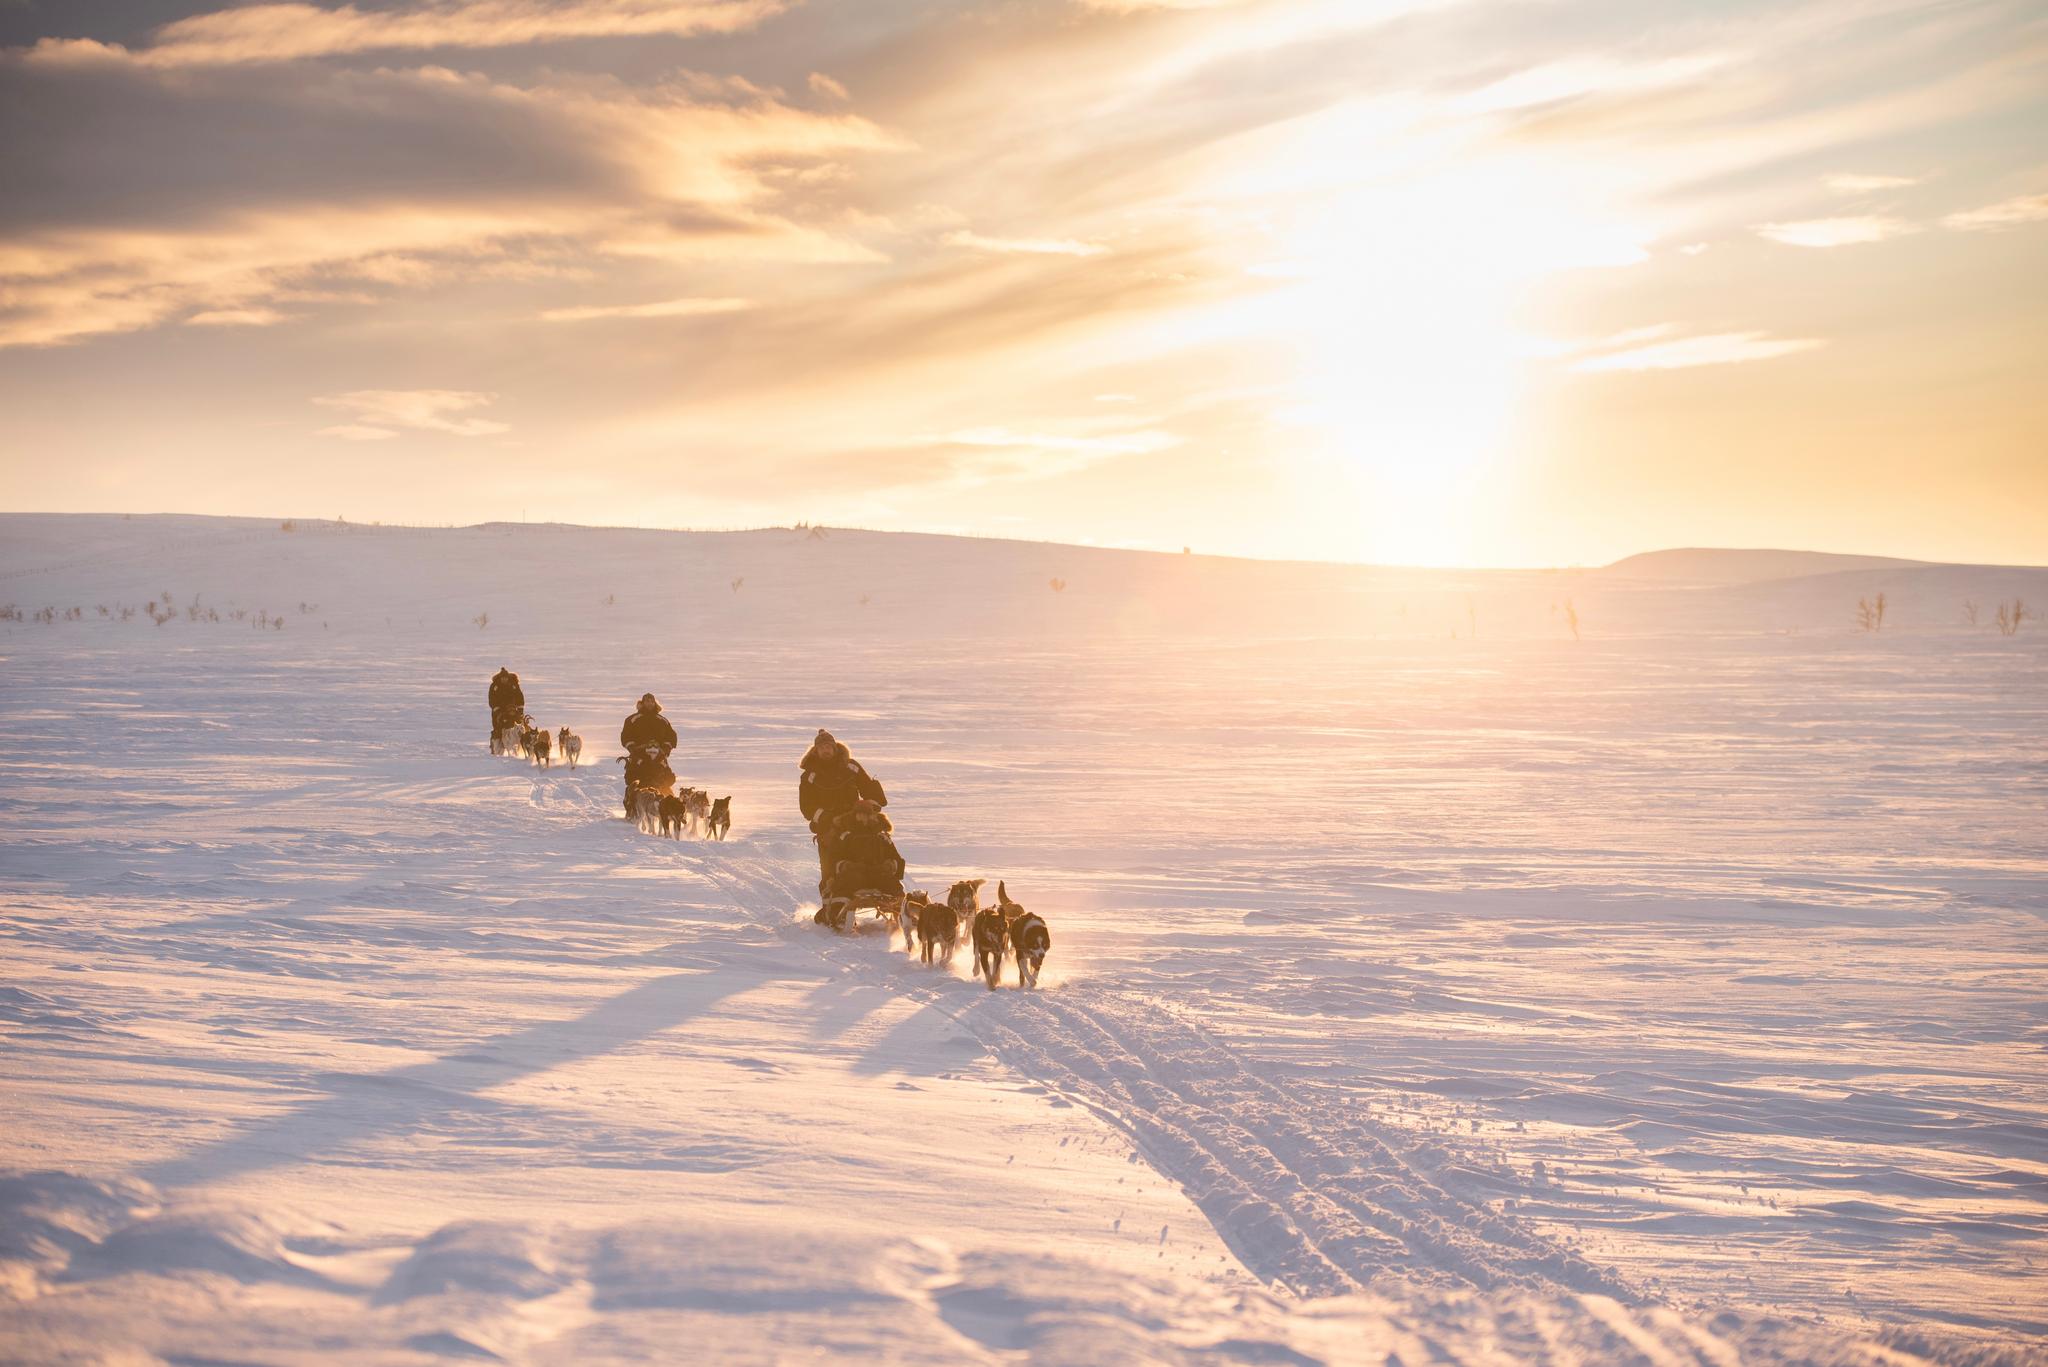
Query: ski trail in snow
x=1309 y=1196
x=1324 y=1189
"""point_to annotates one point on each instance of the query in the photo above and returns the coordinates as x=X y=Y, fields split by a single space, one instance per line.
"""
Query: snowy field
x=1427 y=986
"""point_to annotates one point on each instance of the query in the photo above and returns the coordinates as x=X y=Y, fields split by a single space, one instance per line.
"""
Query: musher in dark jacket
x=831 y=783
x=648 y=739
x=508 y=699
x=858 y=853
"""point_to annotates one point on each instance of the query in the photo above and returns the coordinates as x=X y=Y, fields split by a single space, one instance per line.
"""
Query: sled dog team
x=835 y=791
x=1005 y=928
x=513 y=731
x=519 y=736
x=692 y=812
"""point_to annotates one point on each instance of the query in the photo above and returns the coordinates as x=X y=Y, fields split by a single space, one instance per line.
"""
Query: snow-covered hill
x=1713 y=566
x=833 y=585
x=1668 y=996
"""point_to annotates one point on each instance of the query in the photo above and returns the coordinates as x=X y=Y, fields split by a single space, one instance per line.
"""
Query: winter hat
x=648 y=704
x=823 y=737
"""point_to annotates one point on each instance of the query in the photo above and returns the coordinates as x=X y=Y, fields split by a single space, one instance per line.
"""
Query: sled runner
x=843 y=913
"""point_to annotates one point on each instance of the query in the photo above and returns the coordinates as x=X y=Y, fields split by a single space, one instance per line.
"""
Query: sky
x=1446 y=282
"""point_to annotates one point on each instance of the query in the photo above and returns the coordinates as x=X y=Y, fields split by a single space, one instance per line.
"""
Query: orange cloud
x=291 y=32
x=1681 y=353
x=556 y=177
x=377 y=411
x=663 y=308
x=1848 y=231
x=2007 y=213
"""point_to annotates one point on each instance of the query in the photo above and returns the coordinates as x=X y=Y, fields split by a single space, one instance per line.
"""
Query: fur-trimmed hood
x=827 y=754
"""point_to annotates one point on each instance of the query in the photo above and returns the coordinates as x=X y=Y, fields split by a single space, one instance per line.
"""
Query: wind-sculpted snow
x=1668 y=998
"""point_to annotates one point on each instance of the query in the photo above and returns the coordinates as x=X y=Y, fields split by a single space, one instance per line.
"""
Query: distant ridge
x=1719 y=567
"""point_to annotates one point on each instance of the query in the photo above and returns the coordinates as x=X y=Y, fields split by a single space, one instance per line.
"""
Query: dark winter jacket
x=506 y=694
x=833 y=830
x=647 y=728
x=649 y=772
x=833 y=783
x=866 y=860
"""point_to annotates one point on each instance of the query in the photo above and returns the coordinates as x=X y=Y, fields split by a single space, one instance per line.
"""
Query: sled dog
x=991 y=935
x=938 y=932
x=674 y=816
x=647 y=810
x=696 y=808
x=571 y=746
x=1029 y=937
x=914 y=904
x=720 y=820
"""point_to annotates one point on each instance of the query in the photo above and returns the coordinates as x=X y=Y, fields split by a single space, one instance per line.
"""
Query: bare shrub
x=1870 y=613
x=482 y=620
x=1970 y=611
x=1059 y=585
x=2011 y=616
x=1571 y=618
x=288 y=525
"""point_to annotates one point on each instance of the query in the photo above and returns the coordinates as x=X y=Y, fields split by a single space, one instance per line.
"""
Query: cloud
x=1142 y=6
x=1863 y=185
x=666 y=308
x=1719 y=348
x=1030 y=246
x=256 y=317
x=824 y=85
x=421 y=410
x=291 y=32
x=2007 y=213
x=1847 y=231
x=328 y=182
x=971 y=457
x=1002 y=438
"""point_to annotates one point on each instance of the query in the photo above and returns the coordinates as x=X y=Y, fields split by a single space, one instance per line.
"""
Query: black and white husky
x=1029 y=937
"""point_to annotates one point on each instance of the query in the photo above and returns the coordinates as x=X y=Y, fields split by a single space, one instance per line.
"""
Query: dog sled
x=648 y=781
x=843 y=913
x=508 y=731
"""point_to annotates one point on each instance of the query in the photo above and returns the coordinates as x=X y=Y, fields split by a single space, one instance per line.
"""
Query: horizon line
x=1896 y=561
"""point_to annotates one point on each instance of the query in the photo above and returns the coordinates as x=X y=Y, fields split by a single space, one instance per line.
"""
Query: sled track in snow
x=1309 y=1196
x=1319 y=1202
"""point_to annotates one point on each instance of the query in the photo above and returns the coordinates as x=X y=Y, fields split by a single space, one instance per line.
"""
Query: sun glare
x=1397 y=294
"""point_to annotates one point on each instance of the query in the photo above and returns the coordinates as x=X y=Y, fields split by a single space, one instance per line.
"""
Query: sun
x=1400 y=261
